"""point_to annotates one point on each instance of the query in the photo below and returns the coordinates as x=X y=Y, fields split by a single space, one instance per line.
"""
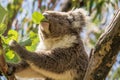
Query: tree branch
x=10 y=19
x=3 y=65
x=105 y=51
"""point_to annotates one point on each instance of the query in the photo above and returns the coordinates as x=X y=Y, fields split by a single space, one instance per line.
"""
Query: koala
x=60 y=55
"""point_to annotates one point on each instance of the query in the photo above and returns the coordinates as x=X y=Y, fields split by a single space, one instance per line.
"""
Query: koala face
x=62 y=23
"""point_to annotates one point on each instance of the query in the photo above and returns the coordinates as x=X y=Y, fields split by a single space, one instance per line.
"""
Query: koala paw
x=12 y=43
x=11 y=69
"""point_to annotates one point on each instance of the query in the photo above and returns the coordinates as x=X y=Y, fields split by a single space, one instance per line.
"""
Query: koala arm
x=56 y=60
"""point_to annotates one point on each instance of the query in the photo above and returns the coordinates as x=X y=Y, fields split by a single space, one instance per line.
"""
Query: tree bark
x=3 y=65
x=105 y=52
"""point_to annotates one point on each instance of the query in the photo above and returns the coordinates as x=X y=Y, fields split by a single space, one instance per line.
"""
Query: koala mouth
x=44 y=26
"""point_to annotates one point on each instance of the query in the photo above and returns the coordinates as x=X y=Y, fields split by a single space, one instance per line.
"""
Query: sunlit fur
x=60 y=55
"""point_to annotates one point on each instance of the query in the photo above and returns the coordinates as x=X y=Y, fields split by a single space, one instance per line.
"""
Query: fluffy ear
x=79 y=18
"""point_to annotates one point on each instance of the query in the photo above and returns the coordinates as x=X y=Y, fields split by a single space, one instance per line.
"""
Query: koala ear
x=82 y=11
x=79 y=16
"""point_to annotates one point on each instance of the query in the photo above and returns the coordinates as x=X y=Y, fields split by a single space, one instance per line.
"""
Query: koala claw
x=11 y=70
x=12 y=43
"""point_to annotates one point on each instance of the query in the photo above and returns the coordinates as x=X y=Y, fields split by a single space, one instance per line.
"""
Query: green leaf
x=3 y=27
x=32 y=35
x=34 y=39
x=37 y=17
x=12 y=35
x=3 y=12
x=26 y=42
x=10 y=54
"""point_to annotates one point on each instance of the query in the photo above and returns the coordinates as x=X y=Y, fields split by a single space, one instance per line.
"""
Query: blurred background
x=21 y=27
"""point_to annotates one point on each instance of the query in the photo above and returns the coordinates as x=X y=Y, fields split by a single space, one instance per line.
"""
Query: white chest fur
x=60 y=42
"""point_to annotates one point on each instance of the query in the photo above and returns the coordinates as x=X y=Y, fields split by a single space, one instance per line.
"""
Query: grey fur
x=58 y=60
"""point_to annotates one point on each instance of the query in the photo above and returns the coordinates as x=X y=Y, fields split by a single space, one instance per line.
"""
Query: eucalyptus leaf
x=37 y=17
x=3 y=12
x=3 y=27
x=26 y=42
x=12 y=35
x=10 y=54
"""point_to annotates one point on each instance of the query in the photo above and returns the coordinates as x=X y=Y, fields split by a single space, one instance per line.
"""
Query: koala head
x=62 y=23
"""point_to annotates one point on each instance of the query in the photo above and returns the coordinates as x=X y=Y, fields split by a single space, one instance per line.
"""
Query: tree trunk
x=105 y=52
